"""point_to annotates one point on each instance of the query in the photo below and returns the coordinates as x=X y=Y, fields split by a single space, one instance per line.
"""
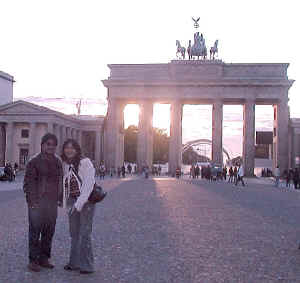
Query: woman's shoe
x=70 y=268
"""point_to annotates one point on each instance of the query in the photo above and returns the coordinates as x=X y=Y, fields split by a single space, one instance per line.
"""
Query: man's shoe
x=70 y=268
x=86 y=272
x=32 y=266
x=46 y=264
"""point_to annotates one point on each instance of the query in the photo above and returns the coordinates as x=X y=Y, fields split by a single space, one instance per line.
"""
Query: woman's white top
x=86 y=172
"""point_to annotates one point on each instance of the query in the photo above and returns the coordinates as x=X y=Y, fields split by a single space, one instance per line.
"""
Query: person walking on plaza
x=129 y=168
x=230 y=171
x=43 y=189
x=240 y=176
x=123 y=171
x=197 y=171
x=289 y=177
x=277 y=176
x=225 y=173
x=78 y=180
x=235 y=172
x=159 y=170
x=296 y=178
x=102 y=171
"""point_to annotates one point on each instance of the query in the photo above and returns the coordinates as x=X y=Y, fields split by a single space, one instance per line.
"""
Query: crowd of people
x=235 y=174
x=290 y=177
x=9 y=172
x=121 y=171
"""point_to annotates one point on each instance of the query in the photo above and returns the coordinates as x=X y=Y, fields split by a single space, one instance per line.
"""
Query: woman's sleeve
x=87 y=171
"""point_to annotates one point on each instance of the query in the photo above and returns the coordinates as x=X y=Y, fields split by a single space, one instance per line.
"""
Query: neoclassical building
x=196 y=82
x=22 y=124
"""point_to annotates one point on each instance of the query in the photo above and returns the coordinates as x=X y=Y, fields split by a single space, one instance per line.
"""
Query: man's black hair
x=47 y=137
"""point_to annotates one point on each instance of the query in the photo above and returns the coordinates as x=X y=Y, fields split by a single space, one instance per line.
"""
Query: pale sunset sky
x=58 y=51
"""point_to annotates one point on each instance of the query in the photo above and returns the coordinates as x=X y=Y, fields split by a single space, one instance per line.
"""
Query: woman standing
x=79 y=180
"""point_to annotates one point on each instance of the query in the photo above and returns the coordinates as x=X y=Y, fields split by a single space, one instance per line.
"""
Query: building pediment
x=22 y=107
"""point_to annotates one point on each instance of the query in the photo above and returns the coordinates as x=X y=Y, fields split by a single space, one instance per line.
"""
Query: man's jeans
x=42 y=220
x=81 y=254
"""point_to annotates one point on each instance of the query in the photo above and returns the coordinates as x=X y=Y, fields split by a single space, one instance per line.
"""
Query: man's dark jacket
x=43 y=178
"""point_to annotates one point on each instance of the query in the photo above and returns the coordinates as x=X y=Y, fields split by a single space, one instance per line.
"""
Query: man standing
x=43 y=189
x=277 y=176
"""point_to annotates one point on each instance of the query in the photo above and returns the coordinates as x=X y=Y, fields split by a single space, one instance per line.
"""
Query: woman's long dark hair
x=76 y=160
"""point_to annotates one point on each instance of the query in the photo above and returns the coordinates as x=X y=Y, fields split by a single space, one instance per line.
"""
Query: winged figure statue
x=196 y=24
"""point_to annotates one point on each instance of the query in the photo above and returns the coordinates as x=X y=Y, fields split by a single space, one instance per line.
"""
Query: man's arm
x=30 y=183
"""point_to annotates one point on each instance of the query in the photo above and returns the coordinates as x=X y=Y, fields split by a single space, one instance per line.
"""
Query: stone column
x=281 y=124
x=68 y=133
x=249 y=138
x=175 y=145
x=145 y=136
x=114 y=138
x=217 y=132
x=56 y=132
x=50 y=128
x=2 y=144
x=9 y=142
x=32 y=139
x=79 y=137
x=73 y=136
x=97 y=147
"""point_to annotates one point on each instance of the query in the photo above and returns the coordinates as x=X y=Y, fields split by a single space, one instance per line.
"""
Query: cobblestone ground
x=168 y=230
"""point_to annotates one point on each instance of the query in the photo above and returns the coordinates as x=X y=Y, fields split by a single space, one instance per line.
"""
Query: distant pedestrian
x=43 y=189
x=277 y=176
x=197 y=171
x=123 y=170
x=230 y=171
x=159 y=170
x=129 y=168
x=225 y=173
x=289 y=177
x=102 y=171
x=235 y=174
x=240 y=176
x=296 y=178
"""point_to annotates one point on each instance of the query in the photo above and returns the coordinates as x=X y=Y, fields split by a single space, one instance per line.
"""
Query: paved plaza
x=169 y=230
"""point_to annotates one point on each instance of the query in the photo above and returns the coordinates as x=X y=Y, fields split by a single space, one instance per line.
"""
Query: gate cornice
x=217 y=83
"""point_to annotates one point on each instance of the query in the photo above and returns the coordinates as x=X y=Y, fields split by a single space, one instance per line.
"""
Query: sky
x=58 y=51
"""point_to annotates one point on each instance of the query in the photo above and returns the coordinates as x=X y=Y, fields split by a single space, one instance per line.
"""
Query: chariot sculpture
x=198 y=49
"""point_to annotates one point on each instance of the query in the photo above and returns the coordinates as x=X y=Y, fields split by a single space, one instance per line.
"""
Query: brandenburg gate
x=195 y=82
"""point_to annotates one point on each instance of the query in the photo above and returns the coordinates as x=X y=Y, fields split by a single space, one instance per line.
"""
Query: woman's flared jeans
x=81 y=254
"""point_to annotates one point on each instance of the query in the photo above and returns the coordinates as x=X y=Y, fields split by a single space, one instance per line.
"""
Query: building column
x=79 y=137
x=9 y=142
x=98 y=147
x=217 y=132
x=145 y=136
x=175 y=145
x=50 y=128
x=2 y=144
x=63 y=136
x=32 y=139
x=56 y=130
x=68 y=133
x=249 y=138
x=114 y=138
x=280 y=135
x=73 y=134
